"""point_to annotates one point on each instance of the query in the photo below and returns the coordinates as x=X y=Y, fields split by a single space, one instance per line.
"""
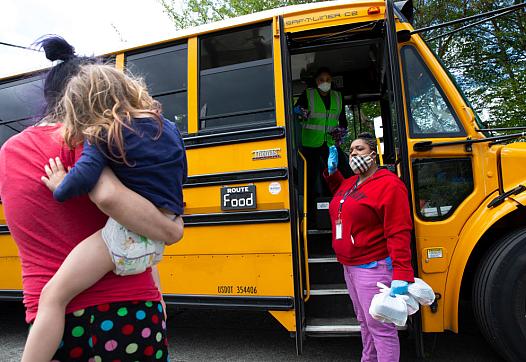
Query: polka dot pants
x=127 y=331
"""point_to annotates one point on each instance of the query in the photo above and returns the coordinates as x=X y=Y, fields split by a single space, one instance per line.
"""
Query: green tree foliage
x=197 y=12
x=488 y=61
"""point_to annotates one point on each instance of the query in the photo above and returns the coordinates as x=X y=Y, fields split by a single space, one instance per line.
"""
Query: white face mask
x=324 y=87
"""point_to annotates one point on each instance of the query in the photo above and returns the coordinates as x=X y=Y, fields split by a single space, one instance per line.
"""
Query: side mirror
x=403 y=36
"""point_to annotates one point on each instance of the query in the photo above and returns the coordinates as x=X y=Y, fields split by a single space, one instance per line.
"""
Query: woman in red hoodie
x=371 y=233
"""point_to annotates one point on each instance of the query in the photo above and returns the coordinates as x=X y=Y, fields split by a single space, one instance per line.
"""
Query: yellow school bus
x=230 y=88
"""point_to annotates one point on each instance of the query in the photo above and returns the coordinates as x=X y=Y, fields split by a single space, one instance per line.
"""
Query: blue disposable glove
x=332 y=162
x=398 y=287
x=301 y=112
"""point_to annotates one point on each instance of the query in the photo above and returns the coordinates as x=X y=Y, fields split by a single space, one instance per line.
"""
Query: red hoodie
x=377 y=216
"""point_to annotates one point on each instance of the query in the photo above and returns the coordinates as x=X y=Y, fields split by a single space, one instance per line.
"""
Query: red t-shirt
x=45 y=231
x=375 y=215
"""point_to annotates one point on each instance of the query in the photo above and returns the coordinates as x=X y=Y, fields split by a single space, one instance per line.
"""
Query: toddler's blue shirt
x=158 y=166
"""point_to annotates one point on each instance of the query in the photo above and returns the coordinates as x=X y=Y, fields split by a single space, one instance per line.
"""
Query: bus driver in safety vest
x=324 y=124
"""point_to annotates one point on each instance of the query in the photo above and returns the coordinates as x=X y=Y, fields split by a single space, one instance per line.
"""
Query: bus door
x=297 y=182
x=399 y=143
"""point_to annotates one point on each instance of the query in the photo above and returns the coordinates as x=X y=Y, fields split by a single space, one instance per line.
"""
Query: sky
x=93 y=27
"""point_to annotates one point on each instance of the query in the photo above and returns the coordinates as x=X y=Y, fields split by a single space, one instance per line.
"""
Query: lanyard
x=345 y=195
x=338 y=224
x=350 y=191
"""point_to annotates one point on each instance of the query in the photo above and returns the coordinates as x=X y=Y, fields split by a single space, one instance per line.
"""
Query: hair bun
x=365 y=135
x=57 y=48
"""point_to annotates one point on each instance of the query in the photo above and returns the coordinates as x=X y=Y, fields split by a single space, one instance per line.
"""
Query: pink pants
x=379 y=340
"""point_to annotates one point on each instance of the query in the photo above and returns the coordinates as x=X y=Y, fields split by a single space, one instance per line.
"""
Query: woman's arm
x=157 y=280
x=331 y=174
x=121 y=203
x=334 y=181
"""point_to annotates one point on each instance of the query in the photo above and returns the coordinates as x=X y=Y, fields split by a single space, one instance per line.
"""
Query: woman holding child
x=75 y=262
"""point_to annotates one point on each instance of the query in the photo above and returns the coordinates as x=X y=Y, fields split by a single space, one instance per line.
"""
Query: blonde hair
x=98 y=102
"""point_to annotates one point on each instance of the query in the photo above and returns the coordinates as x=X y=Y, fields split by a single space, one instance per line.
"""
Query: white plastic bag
x=385 y=308
x=412 y=304
x=421 y=291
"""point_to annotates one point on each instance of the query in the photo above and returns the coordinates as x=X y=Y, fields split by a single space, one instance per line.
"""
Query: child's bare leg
x=86 y=264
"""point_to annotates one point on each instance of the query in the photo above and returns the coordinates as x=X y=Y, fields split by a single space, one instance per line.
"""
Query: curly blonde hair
x=98 y=102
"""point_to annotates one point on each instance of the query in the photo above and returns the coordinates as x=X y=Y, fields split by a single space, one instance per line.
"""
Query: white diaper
x=131 y=253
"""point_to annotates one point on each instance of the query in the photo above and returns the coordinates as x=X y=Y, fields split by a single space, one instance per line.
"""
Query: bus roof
x=258 y=17
x=237 y=21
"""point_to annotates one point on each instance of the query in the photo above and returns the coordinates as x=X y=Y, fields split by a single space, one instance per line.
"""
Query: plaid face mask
x=361 y=163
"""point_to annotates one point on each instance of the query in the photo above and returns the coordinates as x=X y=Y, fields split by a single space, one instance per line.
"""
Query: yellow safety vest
x=321 y=121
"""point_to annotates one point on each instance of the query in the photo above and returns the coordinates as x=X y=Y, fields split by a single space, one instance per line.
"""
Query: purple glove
x=338 y=134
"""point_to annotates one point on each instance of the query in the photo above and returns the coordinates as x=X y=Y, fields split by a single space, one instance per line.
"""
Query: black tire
x=499 y=296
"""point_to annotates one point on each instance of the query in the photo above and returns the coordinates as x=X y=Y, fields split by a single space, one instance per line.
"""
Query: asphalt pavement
x=202 y=335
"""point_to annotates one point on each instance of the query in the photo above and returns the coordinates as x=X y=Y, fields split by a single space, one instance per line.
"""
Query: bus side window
x=21 y=104
x=165 y=73
x=236 y=79
x=441 y=184
x=430 y=113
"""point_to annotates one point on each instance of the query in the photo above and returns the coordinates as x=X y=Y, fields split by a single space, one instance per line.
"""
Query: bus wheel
x=499 y=296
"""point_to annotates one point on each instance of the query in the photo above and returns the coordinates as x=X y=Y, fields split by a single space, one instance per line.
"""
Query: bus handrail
x=304 y=228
